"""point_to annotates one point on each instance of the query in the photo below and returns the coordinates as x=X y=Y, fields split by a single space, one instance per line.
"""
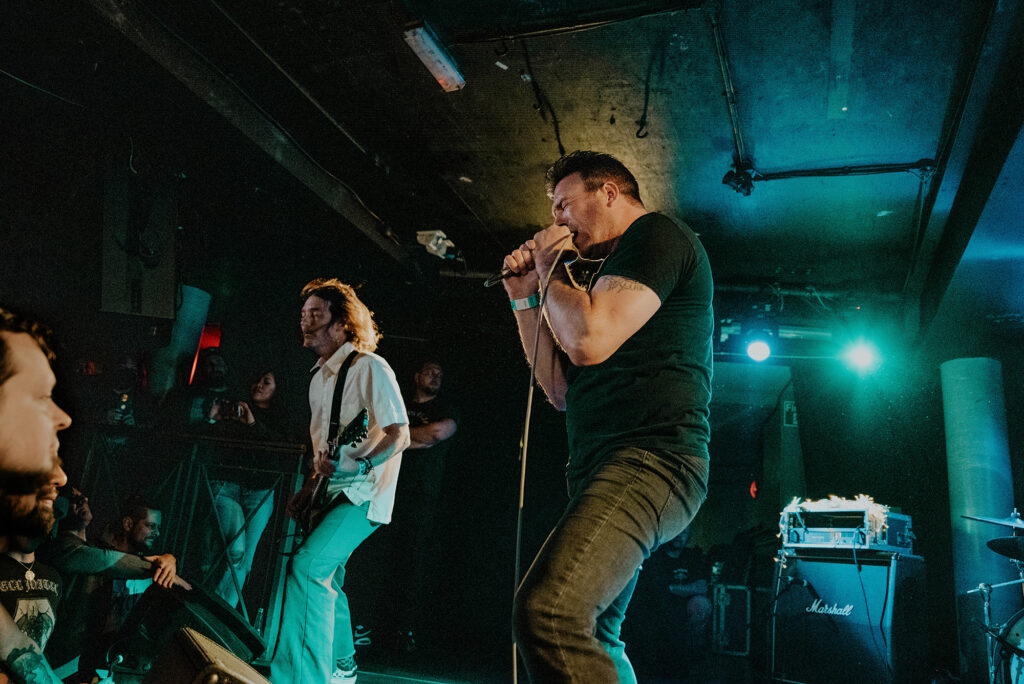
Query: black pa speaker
x=191 y=658
x=160 y=614
x=845 y=616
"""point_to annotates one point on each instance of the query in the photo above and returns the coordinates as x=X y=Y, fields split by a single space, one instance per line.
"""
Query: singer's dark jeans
x=570 y=606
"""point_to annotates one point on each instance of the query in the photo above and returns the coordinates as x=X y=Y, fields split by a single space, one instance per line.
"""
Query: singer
x=628 y=358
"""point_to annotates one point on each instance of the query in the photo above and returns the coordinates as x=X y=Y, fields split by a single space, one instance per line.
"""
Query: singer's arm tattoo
x=620 y=284
x=29 y=666
x=591 y=326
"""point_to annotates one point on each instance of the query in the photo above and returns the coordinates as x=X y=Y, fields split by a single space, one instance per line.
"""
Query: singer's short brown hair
x=345 y=306
x=595 y=169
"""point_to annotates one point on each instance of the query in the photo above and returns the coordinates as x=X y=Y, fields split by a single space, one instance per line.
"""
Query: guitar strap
x=311 y=515
x=335 y=428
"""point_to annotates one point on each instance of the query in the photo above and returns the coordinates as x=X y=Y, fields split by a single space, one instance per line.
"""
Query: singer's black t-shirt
x=653 y=392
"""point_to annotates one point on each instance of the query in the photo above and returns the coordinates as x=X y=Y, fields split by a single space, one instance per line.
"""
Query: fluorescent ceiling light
x=434 y=56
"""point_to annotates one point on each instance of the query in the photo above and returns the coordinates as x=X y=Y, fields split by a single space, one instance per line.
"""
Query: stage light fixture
x=434 y=56
x=758 y=337
x=758 y=349
x=740 y=178
x=436 y=243
x=862 y=356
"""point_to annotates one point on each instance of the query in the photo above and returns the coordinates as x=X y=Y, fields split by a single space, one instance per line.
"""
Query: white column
x=980 y=484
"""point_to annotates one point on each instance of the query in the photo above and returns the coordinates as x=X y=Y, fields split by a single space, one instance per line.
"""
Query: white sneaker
x=345 y=675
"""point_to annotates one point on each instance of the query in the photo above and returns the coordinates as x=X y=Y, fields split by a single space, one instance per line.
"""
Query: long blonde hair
x=346 y=306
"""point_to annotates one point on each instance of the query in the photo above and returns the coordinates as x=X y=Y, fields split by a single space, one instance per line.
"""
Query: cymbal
x=1011 y=547
x=1013 y=521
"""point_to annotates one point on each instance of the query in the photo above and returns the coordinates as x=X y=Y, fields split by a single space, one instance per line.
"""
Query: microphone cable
x=525 y=440
x=859 y=566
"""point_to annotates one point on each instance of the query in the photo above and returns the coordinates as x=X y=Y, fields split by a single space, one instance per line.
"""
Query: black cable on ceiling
x=543 y=104
x=615 y=16
x=657 y=54
x=41 y=89
x=741 y=160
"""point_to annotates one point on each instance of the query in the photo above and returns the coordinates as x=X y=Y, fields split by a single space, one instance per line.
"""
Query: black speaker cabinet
x=160 y=614
x=845 y=616
x=191 y=658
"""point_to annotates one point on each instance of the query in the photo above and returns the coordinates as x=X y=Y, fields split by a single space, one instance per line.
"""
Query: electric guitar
x=350 y=435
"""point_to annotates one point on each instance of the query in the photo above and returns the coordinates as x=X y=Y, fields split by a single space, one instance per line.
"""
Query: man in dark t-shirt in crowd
x=432 y=422
x=627 y=356
x=101 y=582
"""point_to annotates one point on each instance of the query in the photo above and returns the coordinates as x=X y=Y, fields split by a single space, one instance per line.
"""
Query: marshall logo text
x=825 y=609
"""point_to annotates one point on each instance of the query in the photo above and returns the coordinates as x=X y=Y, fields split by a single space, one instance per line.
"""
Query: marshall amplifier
x=848 y=616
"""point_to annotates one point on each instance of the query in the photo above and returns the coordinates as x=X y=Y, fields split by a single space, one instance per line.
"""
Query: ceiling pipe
x=742 y=177
x=576 y=22
x=925 y=166
x=810 y=292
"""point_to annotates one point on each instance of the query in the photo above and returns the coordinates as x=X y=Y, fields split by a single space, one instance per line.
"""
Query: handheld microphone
x=505 y=272
x=567 y=257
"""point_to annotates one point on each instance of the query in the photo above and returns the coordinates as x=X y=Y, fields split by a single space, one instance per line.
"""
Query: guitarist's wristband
x=365 y=465
x=525 y=303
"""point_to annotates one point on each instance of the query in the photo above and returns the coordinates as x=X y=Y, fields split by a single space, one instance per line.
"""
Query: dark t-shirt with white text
x=32 y=603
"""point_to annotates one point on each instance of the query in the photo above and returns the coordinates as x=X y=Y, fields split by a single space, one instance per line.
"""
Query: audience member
x=673 y=593
x=432 y=422
x=103 y=581
x=690 y=583
x=30 y=469
x=205 y=400
x=115 y=395
x=206 y=407
x=124 y=400
x=243 y=503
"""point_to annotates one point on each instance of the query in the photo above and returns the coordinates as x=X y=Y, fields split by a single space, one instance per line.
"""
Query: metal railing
x=176 y=471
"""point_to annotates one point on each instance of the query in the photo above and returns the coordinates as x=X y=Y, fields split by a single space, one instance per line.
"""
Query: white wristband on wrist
x=526 y=303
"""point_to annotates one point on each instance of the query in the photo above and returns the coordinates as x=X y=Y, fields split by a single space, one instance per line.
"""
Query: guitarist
x=315 y=619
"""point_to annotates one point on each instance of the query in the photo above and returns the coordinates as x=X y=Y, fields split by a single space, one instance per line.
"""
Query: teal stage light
x=862 y=356
x=758 y=350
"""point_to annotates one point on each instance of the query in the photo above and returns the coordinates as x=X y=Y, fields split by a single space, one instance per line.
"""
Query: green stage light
x=862 y=356
x=758 y=350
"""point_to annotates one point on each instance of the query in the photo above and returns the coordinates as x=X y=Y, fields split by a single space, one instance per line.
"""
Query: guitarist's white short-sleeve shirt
x=370 y=384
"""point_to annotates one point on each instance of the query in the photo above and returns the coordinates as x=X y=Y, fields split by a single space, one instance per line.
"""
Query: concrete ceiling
x=822 y=89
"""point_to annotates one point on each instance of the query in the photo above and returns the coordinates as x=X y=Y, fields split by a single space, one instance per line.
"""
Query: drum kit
x=1006 y=641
